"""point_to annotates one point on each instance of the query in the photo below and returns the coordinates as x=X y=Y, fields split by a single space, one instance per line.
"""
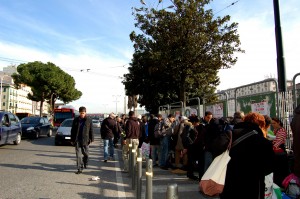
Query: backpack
x=292 y=185
x=188 y=135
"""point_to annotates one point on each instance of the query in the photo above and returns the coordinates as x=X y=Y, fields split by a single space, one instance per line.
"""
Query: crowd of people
x=188 y=145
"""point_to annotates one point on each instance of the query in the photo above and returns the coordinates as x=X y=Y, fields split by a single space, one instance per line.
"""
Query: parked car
x=63 y=133
x=96 y=123
x=34 y=127
x=10 y=128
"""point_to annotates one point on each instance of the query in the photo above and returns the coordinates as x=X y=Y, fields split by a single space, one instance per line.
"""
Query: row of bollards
x=135 y=172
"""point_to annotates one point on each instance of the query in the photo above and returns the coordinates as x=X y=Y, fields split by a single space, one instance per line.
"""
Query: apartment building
x=15 y=100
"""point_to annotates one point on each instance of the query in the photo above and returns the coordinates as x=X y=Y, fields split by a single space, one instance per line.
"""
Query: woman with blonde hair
x=251 y=160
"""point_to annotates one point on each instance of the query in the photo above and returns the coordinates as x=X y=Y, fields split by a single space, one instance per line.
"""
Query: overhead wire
x=12 y=60
x=5 y=59
x=227 y=7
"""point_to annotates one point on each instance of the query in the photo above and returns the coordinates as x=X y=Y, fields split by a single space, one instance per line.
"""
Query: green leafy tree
x=47 y=81
x=178 y=53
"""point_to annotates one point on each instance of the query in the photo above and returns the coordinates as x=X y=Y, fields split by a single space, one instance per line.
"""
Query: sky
x=78 y=35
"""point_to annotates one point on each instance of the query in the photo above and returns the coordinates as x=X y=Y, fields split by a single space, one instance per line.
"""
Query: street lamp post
x=279 y=47
x=116 y=96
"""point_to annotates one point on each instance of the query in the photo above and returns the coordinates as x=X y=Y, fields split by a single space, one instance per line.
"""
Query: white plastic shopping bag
x=213 y=180
x=268 y=186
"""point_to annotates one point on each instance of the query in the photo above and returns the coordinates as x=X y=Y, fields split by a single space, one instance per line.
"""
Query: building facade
x=16 y=101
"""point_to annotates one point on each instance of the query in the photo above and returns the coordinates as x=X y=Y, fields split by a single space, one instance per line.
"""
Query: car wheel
x=49 y=133
x=56 y=143
x=18 y=139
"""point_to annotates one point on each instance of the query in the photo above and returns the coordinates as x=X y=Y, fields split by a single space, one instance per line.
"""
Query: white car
x=63 y=133
x=96 y=123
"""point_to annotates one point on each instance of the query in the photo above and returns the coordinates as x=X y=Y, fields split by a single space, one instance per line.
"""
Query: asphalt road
x=37 y=169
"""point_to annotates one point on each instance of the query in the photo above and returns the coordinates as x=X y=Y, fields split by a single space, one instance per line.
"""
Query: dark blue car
x=10 y=128
x=34 y=127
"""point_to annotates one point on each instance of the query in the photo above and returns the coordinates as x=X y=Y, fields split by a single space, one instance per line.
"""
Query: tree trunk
x=41 y=105
x=52 y=103
x=182 y=93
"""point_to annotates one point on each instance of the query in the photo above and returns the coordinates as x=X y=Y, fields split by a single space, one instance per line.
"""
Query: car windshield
x=67 y=123
x=30 y=120
x=95 y=121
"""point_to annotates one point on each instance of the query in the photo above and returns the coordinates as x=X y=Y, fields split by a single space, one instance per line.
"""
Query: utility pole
x=279 y=46
x=125 y=104
x=116 y=96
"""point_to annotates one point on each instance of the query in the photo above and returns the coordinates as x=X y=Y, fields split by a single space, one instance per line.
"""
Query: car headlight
x=30 y=128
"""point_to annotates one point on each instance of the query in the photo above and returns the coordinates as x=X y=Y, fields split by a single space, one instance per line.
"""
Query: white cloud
x=257 y=36
x=98 y=85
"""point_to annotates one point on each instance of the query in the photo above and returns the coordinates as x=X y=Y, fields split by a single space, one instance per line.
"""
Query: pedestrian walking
x=109 y=130
x=82 y=136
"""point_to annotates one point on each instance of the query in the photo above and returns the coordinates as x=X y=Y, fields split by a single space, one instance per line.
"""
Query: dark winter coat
x=188 y=135
x=151 y=127
x=132 y=129
x=109 y=128
x=295 y=125
x=251 y=160
x=87 y=132
x=211 y=132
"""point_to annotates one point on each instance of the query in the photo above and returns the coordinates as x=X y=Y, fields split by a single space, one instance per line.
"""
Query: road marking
x=121 y=190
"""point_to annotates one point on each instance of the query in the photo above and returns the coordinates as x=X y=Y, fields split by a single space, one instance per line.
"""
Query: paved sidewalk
x=187 y=189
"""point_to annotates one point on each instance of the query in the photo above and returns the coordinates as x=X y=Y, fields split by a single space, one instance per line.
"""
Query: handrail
x=294 y=89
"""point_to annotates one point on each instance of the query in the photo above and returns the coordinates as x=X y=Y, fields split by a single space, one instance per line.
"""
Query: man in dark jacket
x=108 y=131
x=133 y=133
x=119 y=131
x=81 y=136
x=191 y=148
x=154 y=141
x=210 y=133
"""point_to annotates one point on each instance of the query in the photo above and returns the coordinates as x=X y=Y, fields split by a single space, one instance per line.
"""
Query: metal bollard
x=149 y=175
x=139 y=175
x=129 y=159
x=133 y=165
x=172 y=191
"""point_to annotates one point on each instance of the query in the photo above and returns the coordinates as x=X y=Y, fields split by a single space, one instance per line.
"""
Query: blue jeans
x=164 y=146
x=108 y=143
x=155 y=154
x=208 y=158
